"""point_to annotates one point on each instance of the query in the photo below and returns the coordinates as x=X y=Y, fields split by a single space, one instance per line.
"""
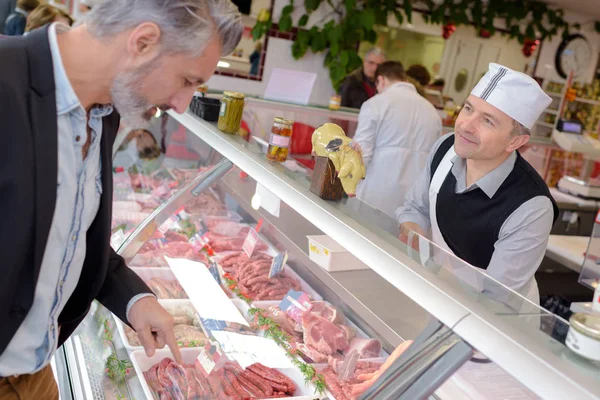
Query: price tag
x=180 y=214
x=203 y=228
x=215 y=272
x=117 y=239
x=171 y=223
x=212 y=325
x=206 y=361
x=278 y=263
x=208 y=358
x=268 y=200
x=250 y=242
x=198 y=241
x=294 y=304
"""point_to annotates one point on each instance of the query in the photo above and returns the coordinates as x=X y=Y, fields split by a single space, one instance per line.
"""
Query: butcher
x=477 y=196
x=62 y=91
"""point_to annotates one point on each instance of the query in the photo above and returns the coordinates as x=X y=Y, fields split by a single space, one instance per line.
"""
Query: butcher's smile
x=466 y=141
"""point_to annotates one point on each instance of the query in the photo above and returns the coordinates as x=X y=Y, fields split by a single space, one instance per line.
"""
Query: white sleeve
x=366 y=132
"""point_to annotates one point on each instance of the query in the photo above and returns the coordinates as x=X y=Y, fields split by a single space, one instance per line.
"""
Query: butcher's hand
x=154 y=326
x=405 y=230
x=369 y=379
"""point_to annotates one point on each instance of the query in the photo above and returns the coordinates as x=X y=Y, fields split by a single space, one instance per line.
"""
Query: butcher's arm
x=414 y=213
x=366 y=132
x=122 y=287
x=521 y=245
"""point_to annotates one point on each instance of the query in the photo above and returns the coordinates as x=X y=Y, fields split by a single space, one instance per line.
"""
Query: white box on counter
x=142 y=363
x=331 y=256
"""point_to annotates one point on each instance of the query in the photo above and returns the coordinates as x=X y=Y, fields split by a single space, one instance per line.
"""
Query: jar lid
x=235 y=95
x=280 y=120
x=586 y=324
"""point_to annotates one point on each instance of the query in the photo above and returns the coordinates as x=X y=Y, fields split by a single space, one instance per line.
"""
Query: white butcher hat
x=514 y=93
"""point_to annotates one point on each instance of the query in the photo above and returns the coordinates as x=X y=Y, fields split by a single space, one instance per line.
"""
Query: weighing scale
x=570 y=137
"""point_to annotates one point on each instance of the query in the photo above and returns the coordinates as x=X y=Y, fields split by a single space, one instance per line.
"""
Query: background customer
x=359 y=86
x=46 y=14
x=17 y=20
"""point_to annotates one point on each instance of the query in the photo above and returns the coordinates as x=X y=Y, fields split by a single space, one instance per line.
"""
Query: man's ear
x=144 y=41
x=516 y=142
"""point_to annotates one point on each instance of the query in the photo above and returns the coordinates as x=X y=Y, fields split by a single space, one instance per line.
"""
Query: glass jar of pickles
x=279 y=142
x=335 y=102
x=230 y=114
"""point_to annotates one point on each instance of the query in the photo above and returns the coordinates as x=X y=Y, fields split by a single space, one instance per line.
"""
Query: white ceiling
x=589 y=8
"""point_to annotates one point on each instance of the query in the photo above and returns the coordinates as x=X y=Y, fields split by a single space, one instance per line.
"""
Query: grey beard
x=131 y=105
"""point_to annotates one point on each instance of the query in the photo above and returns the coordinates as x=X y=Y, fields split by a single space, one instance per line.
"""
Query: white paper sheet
x=268 y=200
x=290 y=85
x=204 y=292
x=248 y=350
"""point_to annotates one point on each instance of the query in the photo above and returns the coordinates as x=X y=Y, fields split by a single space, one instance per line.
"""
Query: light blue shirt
x=78 y=194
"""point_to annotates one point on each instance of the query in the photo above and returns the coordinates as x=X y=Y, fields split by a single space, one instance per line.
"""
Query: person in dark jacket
x=6 y=8
x=255 y=59
x=359 y=86
x=17 y=20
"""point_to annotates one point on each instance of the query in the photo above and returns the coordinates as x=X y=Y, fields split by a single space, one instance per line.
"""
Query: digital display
x=570 y=126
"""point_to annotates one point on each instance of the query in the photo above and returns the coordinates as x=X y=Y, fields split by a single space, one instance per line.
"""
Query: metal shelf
x=587 y=101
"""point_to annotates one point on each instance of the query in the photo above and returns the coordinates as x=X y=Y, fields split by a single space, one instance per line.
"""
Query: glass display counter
x=473 y=337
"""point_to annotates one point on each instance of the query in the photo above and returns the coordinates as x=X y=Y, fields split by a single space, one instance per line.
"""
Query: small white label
x=278 y=263
x=222 y=109
x=270 y=202
x=250 y=242
x=206 y=361
x=117 y=239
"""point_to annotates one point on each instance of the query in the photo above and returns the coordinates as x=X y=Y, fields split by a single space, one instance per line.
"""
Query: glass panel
x=149 y=165
x=208 y=221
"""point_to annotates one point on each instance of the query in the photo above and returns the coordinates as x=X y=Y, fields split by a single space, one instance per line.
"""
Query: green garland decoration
x=353 y=21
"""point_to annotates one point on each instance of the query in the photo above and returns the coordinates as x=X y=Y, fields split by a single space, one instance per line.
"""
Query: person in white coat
x=396 y=130
x=481 y=200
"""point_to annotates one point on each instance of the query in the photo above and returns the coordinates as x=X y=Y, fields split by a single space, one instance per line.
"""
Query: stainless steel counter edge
x=438 y=297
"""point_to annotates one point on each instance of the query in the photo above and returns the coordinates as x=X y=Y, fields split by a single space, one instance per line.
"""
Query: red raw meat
x=328 y=312
x=322 y=335
x=366 y=348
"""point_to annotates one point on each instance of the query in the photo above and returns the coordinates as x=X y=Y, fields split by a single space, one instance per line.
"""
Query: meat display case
x=473 y=337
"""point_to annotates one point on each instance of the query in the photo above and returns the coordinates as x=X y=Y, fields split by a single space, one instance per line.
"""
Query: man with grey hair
x=481 y=200
x=58 y=88
x=359 y=86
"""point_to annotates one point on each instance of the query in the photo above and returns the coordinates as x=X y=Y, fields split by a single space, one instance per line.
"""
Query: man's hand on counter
x=154 y=326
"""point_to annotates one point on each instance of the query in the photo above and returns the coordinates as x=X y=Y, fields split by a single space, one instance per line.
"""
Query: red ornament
x=484 y=33
x=448 y=30
x=529 y=47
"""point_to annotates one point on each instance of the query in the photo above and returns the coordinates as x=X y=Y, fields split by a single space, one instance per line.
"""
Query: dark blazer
x=352 y=91
x=28 y=180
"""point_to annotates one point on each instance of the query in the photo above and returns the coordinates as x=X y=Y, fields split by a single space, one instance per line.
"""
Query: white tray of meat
x=343 y=389
x=162 y=378
x=163 y=282
x=188 y=331
x=253 y=279
x=324 y=335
